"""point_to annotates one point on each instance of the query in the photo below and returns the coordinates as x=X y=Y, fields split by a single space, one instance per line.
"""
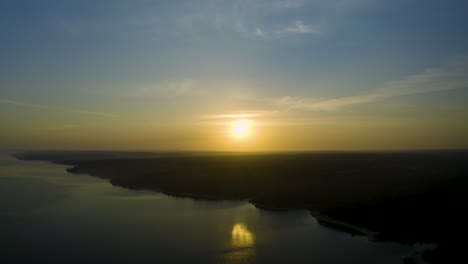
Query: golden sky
x=167 y=75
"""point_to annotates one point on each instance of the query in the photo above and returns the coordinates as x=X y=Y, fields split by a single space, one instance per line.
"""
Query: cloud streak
x=431 y=80
x=297 y=28
x=238 y=115
x=300 y=28
x=46 y=107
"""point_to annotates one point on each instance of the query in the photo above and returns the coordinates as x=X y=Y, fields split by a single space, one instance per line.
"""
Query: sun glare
x=241 y=128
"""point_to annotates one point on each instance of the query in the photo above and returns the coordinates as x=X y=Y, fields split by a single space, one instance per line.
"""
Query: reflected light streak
x=241 y=236
x=242 y=248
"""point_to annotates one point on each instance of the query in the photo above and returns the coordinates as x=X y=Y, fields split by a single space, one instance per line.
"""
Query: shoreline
x=346 y=227
x=385 y=197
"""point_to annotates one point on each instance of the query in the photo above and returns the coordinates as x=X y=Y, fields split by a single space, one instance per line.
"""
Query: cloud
x=46 y=107
x=226 y=118
x=260 y=33
x=450 y=77
x=23 y=104
x=289 y=4
x=259 y=18
x=185 y=20
x=300 y=28
x=94 y=113
x=237 y=115
x=265 y=118
x=297 y=28
x=184 y=88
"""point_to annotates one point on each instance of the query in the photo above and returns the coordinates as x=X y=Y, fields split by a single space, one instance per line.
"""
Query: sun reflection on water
x=242 y=248
x=241 y=236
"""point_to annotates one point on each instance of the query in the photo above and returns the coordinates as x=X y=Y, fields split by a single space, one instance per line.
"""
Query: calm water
x=47 y=215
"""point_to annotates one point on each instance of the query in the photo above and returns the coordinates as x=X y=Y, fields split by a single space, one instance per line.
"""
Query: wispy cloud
x=289 y=4
x=184 y=87
x=261 y=34
x=23 y=104
x=236 y=115
x=452 y=76
x=94 y=113
x=297 y=28
x=47 y=107
x=197 y=19
x=265 y=118
x=300 y=28
x=226 y=118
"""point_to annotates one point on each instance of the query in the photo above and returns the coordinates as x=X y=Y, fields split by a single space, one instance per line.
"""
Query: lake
x=50 y=216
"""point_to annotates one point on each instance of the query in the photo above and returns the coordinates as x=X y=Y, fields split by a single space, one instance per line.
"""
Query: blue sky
x=124 y=67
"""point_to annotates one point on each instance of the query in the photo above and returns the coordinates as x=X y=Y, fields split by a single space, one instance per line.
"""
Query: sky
x=177 y=75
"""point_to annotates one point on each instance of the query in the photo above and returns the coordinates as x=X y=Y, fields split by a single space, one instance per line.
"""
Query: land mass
x=405 y=197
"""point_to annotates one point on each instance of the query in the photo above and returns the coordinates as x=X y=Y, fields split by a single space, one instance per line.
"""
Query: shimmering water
x=49 y=216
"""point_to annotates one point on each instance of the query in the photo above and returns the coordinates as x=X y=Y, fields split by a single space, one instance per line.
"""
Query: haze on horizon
x=304 y=74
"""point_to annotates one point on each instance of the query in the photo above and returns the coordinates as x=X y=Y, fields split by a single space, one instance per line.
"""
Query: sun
x=241 y=128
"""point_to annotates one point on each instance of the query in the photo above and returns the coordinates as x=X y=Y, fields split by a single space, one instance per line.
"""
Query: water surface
x=48 y=215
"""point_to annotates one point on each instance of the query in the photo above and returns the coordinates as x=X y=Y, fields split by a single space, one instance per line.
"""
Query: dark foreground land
x=406 y=197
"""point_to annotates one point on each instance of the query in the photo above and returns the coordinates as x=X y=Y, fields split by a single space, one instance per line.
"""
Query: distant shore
x=388 y=196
